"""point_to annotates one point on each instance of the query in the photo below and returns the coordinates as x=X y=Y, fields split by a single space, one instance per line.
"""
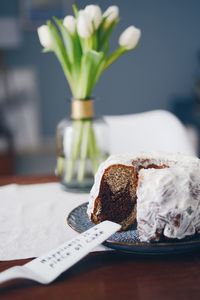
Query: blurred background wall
x=162 y=73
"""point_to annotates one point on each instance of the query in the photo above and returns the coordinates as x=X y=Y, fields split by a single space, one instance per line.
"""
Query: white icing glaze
x=182 y=168
x=162 y=196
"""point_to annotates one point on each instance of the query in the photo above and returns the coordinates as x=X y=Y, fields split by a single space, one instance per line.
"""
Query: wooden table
x=111 y=275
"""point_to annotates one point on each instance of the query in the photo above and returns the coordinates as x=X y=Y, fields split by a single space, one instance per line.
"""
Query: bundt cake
x=159 y=191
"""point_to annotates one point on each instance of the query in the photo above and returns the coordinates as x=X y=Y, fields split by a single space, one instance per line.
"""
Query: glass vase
x=82 y=144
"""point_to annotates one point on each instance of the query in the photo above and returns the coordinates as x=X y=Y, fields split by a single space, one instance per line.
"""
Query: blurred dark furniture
x=6 y=149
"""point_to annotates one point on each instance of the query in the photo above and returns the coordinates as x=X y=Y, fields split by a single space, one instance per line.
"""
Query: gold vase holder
x=82 y=109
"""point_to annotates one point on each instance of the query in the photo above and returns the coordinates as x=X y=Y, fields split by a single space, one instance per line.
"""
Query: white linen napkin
x=33 y=219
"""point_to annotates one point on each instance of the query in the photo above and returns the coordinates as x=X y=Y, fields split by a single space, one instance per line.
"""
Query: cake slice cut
x=159 y=191
x=116 y=200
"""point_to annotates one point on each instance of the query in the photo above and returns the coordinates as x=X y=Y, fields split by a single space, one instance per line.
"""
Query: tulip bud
x=84 y=25
x=45 y=36
x=129 y=37
x=70 y=23
x=94 y=11
x=111 y=14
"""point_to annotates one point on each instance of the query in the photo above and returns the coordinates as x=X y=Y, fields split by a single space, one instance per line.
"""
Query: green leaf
x=58 y=46
x=105 y=34
x=72 y=47
x=59 y=49
x=99 y=71
x=90 y=64
x=75 y=10
x=67 y=39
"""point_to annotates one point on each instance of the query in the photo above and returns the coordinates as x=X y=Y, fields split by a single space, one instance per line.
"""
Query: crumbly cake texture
x=161 y=191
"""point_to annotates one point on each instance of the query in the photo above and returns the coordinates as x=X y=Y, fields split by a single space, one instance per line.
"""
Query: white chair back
x=157 y=130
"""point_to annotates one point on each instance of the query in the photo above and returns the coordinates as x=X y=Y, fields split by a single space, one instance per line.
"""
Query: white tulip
x=70 y=23
x=84 y=25
x=129 y=37
x=94 y=11
x=45 y=36
x=110 y=15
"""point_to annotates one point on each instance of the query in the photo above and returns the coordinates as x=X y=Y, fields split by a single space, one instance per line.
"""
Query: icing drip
x=168 y=202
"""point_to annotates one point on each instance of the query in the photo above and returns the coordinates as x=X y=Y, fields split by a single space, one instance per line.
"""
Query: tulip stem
x=75 y=148
x=114 y=56
x=83 y=151
x=83 y=147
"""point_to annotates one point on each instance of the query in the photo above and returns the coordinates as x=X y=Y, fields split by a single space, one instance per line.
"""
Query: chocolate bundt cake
x=159 y=191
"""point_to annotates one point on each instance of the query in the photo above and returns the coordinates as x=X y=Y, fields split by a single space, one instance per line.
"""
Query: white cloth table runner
x=33 y=219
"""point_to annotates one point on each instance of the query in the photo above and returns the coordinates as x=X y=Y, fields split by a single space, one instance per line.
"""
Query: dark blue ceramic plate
x=128 y=241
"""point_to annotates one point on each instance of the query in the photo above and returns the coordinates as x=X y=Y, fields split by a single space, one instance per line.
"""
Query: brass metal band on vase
x=82 y=109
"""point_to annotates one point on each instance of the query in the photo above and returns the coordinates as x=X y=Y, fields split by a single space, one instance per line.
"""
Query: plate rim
x=138 y=245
